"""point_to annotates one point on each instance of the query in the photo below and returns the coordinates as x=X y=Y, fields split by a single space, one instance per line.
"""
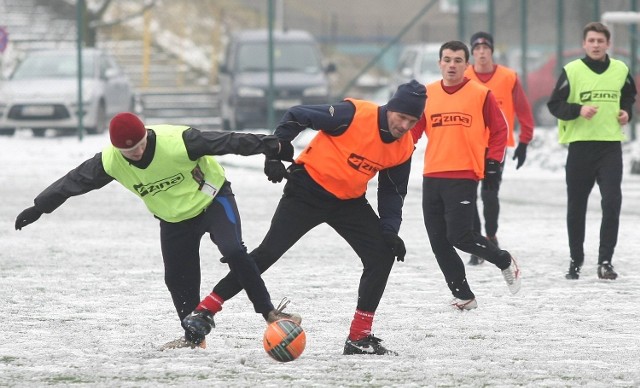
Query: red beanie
x=126 y=130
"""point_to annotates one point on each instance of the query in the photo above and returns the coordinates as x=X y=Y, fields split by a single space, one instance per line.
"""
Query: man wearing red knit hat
x=171 y=168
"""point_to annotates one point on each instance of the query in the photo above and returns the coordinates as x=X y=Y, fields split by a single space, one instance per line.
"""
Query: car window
x=296 y=57
x=430 y=63
x=48 y=66
x=106 y=63
x=407 y=60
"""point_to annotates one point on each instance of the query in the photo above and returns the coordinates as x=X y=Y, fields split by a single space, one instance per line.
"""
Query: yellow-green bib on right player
x=601 y=90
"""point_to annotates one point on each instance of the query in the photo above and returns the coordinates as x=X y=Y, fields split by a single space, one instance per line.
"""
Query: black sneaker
x=367 y=345
x=574 y=271
x=494 y=240
x=199 y=322
x=605 y=271
x=475 y=260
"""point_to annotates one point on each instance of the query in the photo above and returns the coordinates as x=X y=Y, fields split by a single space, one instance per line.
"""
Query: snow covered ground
x=84 y=303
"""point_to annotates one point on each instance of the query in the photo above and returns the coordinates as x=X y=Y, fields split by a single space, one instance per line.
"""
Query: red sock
x=212 y=302
x=361 y=325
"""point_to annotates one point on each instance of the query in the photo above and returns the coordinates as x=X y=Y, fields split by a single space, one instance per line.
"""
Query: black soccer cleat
x=574 y=271
x=199 y=322
x=605 y=271
x=182 y=342
x=367 y=345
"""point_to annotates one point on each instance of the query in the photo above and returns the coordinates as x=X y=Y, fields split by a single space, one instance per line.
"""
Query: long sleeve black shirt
x=90 y=175
x=560 y=108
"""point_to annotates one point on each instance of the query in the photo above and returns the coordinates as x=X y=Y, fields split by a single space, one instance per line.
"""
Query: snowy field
x=84 y=303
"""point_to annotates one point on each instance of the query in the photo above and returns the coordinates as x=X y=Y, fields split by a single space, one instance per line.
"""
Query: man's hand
x=274 y=170
x=27 y=216
x=588 y=111
x=521 y=154
x=395 y=243
x=286 y=151
x=623 y=117
x=492 y=174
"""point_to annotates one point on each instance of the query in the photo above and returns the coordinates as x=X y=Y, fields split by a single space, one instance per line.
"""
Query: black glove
x=521 y=154
x=274 y=170
x=27 y=216
x=396 y=244
x=286 y=151
x=492 y=169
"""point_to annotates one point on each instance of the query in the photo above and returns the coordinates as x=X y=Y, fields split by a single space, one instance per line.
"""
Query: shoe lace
x=282 y=305
x=512 y=272
x=509 y=275
x=374 y=339
x=605 y=268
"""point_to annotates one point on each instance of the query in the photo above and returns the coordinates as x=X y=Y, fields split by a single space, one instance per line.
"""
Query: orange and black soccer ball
x=284 y=340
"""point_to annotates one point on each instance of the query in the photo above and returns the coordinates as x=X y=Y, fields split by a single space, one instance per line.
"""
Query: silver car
x=42 y=92
x=419 y=62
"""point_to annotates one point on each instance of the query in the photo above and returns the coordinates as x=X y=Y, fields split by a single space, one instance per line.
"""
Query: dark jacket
x=90 y=175
x=334 y=120
x=560 y=108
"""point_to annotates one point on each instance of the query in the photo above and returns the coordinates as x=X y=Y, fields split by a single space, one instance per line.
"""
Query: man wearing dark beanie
x=408 y=99
x=505 y=86
x=482 y=37
x=172 y=170
x=327 y=183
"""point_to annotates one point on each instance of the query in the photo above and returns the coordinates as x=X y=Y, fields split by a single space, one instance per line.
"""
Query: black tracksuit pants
x=490 y=208
x=180 y=243
x=590 y=162
x=448 y=210
x=299 y=211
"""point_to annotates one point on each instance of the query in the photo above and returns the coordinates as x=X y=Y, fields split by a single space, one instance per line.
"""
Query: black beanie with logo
x=410 y=98
x=481 y=37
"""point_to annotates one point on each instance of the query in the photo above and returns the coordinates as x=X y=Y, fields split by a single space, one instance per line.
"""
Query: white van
x=419 y=62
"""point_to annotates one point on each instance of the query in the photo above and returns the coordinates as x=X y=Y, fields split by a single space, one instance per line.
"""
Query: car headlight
x=245 y=91
x=316 y=91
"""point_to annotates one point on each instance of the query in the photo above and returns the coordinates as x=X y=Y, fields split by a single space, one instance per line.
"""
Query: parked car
x=419 y=62
x=300 y=76
x=42 y=92
x=541 y=81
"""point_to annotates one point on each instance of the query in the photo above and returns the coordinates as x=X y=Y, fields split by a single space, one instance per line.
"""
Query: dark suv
x=300 y=76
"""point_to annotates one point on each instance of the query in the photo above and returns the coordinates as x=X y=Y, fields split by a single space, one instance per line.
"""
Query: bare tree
x=92 y=19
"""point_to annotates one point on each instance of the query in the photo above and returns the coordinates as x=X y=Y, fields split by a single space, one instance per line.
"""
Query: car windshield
x=429 y=63
x=294 y=57
x=53 y=66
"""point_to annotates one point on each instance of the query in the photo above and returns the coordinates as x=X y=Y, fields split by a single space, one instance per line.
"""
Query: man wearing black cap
x=505 y=86
x=327 y=183
x=172 y=170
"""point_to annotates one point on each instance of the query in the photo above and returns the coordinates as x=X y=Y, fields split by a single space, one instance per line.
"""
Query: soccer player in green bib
x=172 y=170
